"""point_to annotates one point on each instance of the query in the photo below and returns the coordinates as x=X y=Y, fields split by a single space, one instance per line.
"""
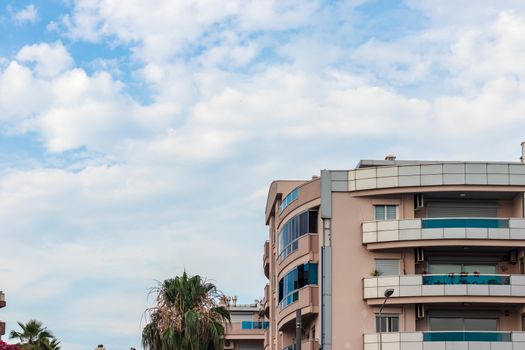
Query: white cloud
x=161 y=30
x=28 y=14
x=50 y=60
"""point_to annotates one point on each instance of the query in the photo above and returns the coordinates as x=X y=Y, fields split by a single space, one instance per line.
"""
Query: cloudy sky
x=138 y=138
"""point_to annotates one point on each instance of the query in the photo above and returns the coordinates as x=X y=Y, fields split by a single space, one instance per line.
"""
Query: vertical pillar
x=298 y=329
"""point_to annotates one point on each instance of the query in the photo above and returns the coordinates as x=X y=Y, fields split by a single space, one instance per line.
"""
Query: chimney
x=234 y=300
x=522 y=158
x=390 y=157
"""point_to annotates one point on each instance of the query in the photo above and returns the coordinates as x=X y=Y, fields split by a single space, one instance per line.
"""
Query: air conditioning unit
x=419 y=201
x=420 y=255
x=228 y=345
x=420 y=311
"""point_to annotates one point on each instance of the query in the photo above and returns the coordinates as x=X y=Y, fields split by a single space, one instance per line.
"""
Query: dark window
x=293 y=229
x=387 y=323
x=301 y=276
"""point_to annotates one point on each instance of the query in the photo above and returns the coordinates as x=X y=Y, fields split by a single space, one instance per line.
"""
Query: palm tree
x=51 y=344
x=187 y=316
x=35 y=336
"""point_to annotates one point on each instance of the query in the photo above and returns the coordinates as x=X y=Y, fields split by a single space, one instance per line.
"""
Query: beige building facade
x=446 y=239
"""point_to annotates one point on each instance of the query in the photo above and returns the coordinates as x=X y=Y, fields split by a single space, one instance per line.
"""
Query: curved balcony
x=306 y=248
x=266 y=259
x=307 y=300
x=446 y=340
x=445 y=288
x=443 y=231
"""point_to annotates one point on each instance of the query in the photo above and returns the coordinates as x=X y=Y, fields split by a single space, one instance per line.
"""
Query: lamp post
x=388 y=294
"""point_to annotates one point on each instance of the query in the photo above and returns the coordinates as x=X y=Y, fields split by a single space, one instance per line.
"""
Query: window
x=294 y=280
x=385 y=212
x=293 y=229
x=443 y=268
x=387 y=323
x=388 y=267
x=463 y=324
x=292 y=196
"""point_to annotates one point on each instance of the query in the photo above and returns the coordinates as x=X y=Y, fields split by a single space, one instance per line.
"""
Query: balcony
x=446 y=340
x=246 y=330
x=307 y=300
x=505 y=287
x=405 y=233
x=266 y=259
x=306 y=245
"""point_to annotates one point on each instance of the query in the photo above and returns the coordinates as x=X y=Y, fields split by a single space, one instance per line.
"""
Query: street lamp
x=388 y=294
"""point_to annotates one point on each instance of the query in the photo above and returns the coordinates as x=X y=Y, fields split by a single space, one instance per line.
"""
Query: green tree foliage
x=187 y=316
x=34 y=336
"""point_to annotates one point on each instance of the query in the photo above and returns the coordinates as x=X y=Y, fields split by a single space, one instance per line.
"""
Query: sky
x=138 y=139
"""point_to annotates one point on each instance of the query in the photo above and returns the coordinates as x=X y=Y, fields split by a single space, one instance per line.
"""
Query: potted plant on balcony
x=376 y=273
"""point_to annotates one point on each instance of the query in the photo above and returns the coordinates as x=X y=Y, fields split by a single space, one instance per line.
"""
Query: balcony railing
x=255 y=324
x=464 y=223
x=442 y=340
x=443 y=228
x=445 y=285
x=468 y=336
x=466 y=279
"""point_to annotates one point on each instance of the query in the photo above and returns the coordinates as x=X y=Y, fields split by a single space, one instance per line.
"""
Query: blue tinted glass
x=299 y=277
x=466 y=279
x=467 y=336
x=465 y=223
x=293 y=229
x=292 y=196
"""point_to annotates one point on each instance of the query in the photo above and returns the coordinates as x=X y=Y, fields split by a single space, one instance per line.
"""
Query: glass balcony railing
x=467 y=336
x=289 y=299
x=255 y=324
x=466 y=279
x=465 y=223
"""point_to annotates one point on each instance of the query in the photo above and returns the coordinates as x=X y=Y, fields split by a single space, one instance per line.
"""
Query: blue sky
x=139 y=138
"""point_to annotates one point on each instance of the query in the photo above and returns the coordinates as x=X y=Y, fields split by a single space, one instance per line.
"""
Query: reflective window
x=388 y=267
x=292 y=196
x=293 y=229
x=387 y=323
x=438 y=268
x=255 y=324
x=463 y=324
x=385 y=212
x=299 y=277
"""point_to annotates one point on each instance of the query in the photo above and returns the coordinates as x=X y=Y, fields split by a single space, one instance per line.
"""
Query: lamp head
x=389 y=292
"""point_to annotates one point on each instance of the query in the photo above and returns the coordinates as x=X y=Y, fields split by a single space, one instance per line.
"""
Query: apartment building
x=246 y=331
x=440 y=244
x=2 y=304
